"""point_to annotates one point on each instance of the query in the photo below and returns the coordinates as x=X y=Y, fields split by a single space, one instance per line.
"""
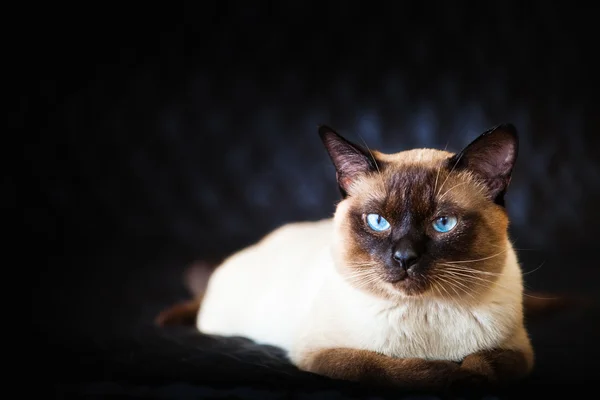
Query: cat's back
x=284 y=249
x=269 y=283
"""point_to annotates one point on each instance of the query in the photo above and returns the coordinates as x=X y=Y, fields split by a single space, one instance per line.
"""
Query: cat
x=413 y=282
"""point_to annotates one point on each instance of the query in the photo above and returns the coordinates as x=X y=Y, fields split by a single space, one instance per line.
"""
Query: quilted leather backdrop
x=163 y=140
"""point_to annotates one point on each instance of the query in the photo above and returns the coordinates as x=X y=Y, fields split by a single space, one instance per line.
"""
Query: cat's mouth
x=407 y=282
x=396 y=277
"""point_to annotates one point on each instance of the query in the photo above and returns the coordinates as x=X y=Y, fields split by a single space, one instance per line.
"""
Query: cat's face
x=423 y=222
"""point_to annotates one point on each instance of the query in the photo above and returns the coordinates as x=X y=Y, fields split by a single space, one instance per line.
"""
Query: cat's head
x=423 y=222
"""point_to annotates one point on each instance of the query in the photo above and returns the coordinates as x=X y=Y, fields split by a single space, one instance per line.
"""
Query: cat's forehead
x=413 y=171
x=416 y=179
x=418 y=157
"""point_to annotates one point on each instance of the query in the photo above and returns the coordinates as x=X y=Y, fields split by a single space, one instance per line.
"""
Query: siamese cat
x=413 y=282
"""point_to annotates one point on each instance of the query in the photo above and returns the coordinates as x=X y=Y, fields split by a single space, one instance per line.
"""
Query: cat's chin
x=409 y=287
x=409 y=292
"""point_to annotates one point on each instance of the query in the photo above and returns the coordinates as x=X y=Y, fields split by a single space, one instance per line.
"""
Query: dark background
x=156 y=137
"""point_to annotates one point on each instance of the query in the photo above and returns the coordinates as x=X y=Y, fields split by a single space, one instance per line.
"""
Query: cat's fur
x=331 y=294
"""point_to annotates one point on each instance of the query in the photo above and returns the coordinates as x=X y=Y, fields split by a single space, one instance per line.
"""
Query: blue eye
x=377 y=222
x=444 y=224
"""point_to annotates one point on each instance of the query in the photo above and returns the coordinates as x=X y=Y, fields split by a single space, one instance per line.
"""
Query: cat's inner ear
x=350 y=160
x=491 y=157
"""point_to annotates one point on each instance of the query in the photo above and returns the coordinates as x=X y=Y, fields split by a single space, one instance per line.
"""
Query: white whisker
x=486 y=283
x=450 y=284
x=465 y=274
x=444 y=288
x=436 y=178
x=453 y=282
x=532 y=271
x=376 y=166
x=450 y=173
x=448 y=191
x=454 y=267
x=479 y=259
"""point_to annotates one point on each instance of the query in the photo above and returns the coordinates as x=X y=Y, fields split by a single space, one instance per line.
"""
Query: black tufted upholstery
x=157 y=143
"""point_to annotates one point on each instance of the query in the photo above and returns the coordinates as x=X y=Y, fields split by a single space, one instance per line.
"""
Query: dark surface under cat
x=158 y=141
x=112 y=348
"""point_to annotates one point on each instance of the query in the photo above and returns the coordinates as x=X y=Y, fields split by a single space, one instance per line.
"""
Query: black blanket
x=160 y=137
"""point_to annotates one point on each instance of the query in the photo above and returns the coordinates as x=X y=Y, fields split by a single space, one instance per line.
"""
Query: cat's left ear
x=350 y=160
x=491 y=157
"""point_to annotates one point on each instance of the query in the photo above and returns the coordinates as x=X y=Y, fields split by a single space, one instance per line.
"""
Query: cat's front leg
x=498 y=366
x=371 y=367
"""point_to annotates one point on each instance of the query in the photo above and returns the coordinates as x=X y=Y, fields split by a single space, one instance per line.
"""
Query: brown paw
x=478 y=363
x=430 y=375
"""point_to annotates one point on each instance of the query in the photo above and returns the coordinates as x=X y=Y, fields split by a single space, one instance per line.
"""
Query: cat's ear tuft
x=350 y=160
x=491 y=157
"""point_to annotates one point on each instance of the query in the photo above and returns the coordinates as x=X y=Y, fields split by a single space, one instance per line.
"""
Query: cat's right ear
x=491 y=157
x=350 y=160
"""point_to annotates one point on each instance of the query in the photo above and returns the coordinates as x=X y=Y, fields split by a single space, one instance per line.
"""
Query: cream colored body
x=285 y=291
